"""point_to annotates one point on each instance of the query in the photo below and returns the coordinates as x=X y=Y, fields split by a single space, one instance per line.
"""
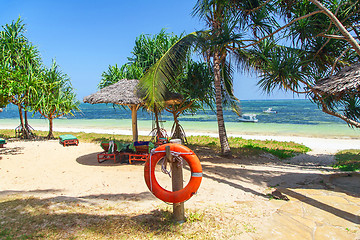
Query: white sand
x=48 y=169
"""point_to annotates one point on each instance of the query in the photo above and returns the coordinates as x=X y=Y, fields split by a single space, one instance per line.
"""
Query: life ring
x=196 y=173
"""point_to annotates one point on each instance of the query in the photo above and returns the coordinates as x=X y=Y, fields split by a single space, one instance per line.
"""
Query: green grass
x=348 y=160
x=239 y=146
x=244 y=147
x=83 y=137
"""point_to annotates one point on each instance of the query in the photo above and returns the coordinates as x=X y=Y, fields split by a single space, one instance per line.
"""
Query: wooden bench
x=68 y=139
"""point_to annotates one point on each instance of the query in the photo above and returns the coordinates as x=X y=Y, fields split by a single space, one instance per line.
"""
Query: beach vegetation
x=249 y=147
x=316 y=40
x=147 y=51
x=56 y=97
x=227 y=30
x=114 y=74
x=196 y=87
x=195 y=82
x=321 y=39
x=20 y=64
x=348 y=160
x=26 y=83
x=242 y=147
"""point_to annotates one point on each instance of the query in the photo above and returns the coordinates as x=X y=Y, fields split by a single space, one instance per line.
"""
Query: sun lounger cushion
x=67 y=137
x=142 y=146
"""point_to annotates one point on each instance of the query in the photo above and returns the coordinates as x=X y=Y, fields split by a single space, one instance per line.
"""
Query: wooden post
x=134 y=109
x=177 y=184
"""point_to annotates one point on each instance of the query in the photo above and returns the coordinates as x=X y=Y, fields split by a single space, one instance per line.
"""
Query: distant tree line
x=28 y=84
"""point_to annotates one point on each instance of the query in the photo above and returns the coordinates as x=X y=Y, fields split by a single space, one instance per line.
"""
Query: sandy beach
x=47 y=170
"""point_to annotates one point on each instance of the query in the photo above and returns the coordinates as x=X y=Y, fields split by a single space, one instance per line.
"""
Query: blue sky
x=85 y=37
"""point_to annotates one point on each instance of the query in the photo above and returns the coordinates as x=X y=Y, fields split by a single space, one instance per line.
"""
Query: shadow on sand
x=11 y=150
x=91 y=160
x=51 y=216
x=300 y=172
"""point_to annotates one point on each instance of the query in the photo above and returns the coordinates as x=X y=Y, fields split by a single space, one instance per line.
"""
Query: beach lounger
x=68 y=139
x=111 y=151
x=142 y=150
x=2 y=142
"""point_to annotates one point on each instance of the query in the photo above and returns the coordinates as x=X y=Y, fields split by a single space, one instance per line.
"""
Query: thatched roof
x=346 y=80
x=123 y=92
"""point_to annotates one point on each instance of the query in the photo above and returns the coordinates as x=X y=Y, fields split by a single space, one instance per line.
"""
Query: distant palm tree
x=115 y=74
x=196 y=87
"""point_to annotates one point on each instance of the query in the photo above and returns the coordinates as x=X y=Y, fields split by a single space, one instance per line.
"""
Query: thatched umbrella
x=124 y=92
x=345 y=81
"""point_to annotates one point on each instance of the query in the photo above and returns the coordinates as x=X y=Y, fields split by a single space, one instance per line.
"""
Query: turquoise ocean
x=293 y=118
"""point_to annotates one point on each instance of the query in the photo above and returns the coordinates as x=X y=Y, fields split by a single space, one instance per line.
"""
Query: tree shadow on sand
x=11 y=150
x=122 y=196
x=300 y=172
x=30 y=192
x=33 y=218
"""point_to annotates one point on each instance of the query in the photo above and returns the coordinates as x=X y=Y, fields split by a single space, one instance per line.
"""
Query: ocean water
x=293 y=118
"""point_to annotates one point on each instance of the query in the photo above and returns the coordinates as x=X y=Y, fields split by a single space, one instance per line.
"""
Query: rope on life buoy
x=189 y=190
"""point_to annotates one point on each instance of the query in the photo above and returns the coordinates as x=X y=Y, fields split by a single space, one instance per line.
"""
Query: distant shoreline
x=209 y=128
x=318 y=144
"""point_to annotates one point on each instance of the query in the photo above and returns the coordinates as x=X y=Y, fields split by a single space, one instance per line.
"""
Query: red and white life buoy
x=196 y=173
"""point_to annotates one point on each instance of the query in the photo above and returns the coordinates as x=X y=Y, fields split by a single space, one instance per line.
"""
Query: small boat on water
x=269 y=110
x=248 y=118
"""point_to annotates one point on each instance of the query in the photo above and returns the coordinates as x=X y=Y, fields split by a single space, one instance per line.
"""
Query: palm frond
x=153 y=85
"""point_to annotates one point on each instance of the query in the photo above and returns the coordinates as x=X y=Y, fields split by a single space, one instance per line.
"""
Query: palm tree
x=196 y=87
x=146 y=52
x=324 y=40
x=219 y=45
x=114 y=74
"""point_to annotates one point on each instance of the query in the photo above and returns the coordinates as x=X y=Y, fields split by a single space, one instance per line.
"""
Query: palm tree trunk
x=225 y=147
x=50 y=134
x=176 y=127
